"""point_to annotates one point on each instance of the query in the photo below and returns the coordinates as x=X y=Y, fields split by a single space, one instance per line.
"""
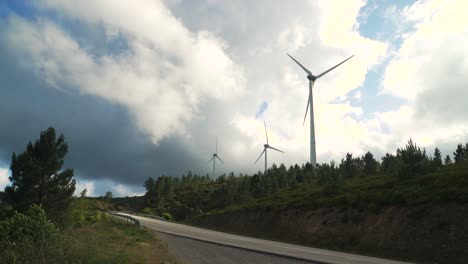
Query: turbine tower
x=265 y=147
x=312 y=78
x=215 y=156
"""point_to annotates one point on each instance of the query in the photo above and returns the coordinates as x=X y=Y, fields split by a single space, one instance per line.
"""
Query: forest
x=410 y=176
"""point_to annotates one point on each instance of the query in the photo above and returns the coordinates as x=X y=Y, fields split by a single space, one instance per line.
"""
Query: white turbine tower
x=215 y=156
x=312 y=78
x=265 y=147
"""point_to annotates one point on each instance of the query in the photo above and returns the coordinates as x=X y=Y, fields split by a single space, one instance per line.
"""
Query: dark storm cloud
x=103 y=140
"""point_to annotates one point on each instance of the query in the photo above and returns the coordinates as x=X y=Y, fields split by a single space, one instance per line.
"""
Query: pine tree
x=459 y=154
x=414 y=160
x=437 y=158
x=347 y=166
x=84 y=192
x=447 y=160
x=370 y=164
x=36 y=175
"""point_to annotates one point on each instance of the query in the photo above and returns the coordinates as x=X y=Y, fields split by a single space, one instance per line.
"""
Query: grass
x=448 y=184
x=114 y=241
x=92 y=236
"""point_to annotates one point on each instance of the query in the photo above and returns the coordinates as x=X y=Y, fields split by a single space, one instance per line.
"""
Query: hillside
x=421 y=219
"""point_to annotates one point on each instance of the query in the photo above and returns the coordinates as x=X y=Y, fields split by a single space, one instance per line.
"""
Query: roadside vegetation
x=40 y=221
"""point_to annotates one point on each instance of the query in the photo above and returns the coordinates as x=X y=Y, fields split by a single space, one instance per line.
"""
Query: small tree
x=108 y=195
x=390 y=163
x=84 y=193
x=37 y=176
x=370 y=164
x=447 y=160
x=414 y=160
x=459 y=154
x=437 y=158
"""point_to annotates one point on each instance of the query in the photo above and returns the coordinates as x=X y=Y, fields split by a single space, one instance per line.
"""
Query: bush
x=168 y=216
x=79 y=218
x=149 y=211
x=30 y=238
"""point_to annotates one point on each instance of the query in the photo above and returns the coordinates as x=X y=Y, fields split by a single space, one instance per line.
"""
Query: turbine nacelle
x=266 y=145
x=311 y=77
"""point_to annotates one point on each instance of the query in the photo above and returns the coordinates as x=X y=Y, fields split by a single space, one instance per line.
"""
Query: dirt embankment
x=429 y=234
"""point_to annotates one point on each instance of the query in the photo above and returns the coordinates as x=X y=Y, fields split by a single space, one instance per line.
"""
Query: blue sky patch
x=263 y=107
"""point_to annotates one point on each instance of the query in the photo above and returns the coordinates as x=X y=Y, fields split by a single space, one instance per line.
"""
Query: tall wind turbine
x=215 y=156
x=265 y=147
x=312 y=78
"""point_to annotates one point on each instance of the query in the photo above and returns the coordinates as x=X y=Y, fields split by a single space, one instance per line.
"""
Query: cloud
x=162 y=78
x=429 y=71
x=123 y=190
x=83 y=184
x=4 y=181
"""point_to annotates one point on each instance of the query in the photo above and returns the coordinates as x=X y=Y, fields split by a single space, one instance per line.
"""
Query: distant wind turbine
x=215 y=156
x=265 y=147
x=312 y=78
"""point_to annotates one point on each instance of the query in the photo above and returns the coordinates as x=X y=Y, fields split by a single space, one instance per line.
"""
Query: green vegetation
x=31 y=237
x=110 y=240
x=91 y=237
x=41 y=223
x=37 y=176
x=449 y=184
x=408 y=178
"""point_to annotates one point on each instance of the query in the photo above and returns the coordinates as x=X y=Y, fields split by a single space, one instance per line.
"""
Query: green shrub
x=149 y=211
x=79 y=218
x=167 y=216
x=30 y=238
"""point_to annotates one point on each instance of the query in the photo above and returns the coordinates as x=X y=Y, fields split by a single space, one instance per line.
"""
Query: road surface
x=198 y=252
x=259 y=245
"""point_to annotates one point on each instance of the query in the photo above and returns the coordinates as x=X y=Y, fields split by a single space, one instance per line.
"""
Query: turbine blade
x=261 y=154
x=266 y=133
x=304 y=68
x=307 y=109
x=220 y=159
x=216 y=145
x=211 y=159
x=276 y=149
x=332 y=68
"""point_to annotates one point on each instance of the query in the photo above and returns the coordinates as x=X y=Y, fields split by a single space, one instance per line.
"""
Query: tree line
x=193 y=194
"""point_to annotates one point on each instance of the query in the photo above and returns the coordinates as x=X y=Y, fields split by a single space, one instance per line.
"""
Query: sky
x=142 y=88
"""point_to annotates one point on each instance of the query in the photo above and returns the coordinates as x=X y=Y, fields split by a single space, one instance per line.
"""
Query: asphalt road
x=198 y=252
x=199 y=236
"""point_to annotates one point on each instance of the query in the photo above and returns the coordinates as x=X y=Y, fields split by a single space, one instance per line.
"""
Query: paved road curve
x=260 y=245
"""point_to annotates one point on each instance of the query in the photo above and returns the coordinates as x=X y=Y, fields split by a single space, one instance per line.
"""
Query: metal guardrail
x=125 y=218
x=152 y=216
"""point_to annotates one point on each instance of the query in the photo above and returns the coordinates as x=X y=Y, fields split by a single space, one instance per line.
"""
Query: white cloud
x=430 y=53
x=430 y=72
x=166 y=73
x=122 y=190
x=84 y=184
x=4 y=181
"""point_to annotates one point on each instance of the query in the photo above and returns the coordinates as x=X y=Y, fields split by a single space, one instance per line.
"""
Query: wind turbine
x=215 y=156
x=312 y=78
x=265 y=147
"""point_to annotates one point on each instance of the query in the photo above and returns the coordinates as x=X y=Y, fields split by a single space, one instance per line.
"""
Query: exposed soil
x=427 y=234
